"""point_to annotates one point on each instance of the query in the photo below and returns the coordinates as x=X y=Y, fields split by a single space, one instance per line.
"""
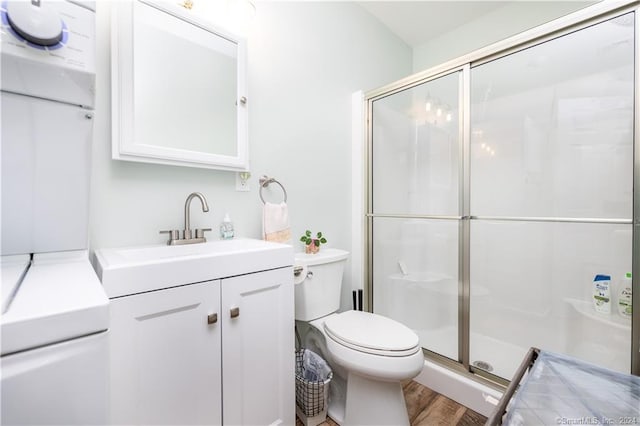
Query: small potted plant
x=312 y=245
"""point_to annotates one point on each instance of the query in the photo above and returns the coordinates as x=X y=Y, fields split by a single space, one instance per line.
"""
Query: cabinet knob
x=212 y=318
x=235 y=312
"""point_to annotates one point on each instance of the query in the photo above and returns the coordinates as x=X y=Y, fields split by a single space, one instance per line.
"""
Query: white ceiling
x=417 y=22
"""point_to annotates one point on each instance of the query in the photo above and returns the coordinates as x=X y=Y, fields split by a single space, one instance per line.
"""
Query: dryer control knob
x=35 y=22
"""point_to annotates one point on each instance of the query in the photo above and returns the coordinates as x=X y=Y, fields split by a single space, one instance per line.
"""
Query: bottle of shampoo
x=602 y=294
x=226 y=228
x=624 y=296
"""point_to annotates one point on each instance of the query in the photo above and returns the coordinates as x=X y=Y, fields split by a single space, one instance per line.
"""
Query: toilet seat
x=372 y=334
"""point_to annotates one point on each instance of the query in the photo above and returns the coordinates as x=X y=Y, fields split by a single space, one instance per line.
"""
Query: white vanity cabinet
x=258 y=359
x=218 y=351
x=166 y=360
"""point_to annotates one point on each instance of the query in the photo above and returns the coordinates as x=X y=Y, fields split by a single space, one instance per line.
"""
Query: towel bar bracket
x=265 y=181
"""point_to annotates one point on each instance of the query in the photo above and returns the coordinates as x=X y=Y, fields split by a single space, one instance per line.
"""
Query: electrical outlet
x=242 y=181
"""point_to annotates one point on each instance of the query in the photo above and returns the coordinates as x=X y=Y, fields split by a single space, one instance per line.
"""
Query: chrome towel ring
x=265 y=181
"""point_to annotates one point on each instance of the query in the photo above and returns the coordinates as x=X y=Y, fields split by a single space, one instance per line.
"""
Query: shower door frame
x=570 y=23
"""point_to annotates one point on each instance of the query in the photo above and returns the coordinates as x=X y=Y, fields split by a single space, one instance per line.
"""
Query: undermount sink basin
x=131 y=270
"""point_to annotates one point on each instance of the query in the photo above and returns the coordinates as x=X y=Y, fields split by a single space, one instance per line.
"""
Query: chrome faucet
x=187 y=235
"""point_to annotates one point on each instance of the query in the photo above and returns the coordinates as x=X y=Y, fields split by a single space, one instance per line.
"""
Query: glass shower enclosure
x=499 y=186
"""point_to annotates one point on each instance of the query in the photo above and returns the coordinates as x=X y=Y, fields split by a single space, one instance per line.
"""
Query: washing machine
x=54 y=319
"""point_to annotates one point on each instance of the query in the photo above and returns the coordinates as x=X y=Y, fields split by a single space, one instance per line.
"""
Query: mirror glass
x=182 y=104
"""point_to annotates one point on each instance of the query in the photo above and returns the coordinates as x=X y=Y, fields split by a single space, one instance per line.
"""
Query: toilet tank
x=318 y=285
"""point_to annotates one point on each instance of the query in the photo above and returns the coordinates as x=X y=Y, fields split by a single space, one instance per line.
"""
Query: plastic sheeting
x=560 y=390
x=314 y=368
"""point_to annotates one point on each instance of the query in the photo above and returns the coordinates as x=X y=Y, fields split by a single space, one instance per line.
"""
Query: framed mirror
x=178 y=88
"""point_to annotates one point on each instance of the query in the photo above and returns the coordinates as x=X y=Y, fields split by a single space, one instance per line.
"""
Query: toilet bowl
x=369 y=353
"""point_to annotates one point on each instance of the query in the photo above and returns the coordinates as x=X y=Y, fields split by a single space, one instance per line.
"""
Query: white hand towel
x=275 y=223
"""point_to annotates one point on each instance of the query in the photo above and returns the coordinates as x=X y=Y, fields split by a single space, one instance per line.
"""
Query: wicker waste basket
x=313 y=375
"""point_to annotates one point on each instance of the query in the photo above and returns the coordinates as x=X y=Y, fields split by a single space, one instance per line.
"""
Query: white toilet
x=369 y=352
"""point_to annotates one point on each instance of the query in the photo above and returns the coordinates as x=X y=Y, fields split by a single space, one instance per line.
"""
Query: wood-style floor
x=426 y=408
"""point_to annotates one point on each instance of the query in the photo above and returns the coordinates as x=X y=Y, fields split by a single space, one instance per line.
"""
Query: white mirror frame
x=124 y=146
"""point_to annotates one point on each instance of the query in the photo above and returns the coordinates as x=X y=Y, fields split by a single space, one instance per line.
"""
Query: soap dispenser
x=226 y=228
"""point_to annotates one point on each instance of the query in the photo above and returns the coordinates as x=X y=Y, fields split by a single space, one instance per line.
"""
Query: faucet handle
x=174 y=234
x=200 y=232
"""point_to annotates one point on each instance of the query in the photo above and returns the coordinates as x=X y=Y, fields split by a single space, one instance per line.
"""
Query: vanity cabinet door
x=165 y=356
x=258 y=348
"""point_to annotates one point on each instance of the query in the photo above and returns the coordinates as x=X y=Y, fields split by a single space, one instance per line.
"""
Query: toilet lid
x=372 y=333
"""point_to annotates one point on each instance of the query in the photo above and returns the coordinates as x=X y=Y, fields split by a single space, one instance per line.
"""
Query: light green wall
x=304 y=61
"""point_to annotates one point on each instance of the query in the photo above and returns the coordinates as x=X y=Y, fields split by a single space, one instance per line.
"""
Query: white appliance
x=54 y=317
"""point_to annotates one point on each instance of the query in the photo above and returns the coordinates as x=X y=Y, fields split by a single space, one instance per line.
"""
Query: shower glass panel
x=551 y=199
x=415 y=157
x=531 y=285
x=416 y=278
x=415 y=150
x=552 y=127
